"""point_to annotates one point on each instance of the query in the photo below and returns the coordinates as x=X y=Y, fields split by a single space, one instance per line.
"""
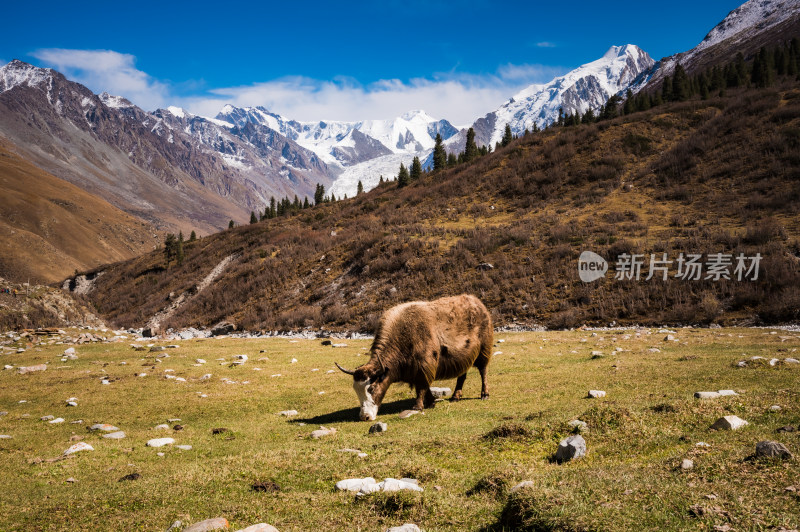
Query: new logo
x=591 y=266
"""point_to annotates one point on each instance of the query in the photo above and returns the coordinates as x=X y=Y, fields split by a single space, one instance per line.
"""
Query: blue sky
x=339 y=61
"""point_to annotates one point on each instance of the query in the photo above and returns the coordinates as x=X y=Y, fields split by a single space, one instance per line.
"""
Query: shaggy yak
x=423 y=341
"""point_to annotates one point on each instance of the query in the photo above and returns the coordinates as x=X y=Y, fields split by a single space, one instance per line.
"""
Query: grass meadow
x=466 y=455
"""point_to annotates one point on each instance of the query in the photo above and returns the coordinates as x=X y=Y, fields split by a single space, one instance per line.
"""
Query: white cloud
x=109 y=71
x=458 y=97
x=545 y=44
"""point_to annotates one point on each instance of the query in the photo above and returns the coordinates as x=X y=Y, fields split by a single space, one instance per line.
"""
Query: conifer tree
x=416 y=169
x=629 y=106
x=273 y=212
x=380 y=181
x=681 y=85
x=402 y=176
x=452 y=160
x=507 y=136
x=253 y=219
x=470 y=148
x=333 y=198
x=439 y=155
x=179 y=249
x=359 y=188
x=170 y=248
x=230 y=224
x=306 y=205
x=192 y=237
x=319 y=194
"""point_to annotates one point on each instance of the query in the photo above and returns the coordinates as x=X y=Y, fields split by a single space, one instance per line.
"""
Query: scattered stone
x=288 y=413
x=405 y=527
x=293 y=361
x=596 y=394
x=687 y=464
x=775 y=408
x=727 y=393
x=56 y=420
x=163 y=426
x=773 y=449
x=184 y=447
x=654 y=350
x=78 y=447
x=103 y=427
x=522 y=485
x=773 y=361
x=157 y=348
x=3 y=413
x=706 y=395
x=206 y=377
x=76 y=422
x=5 y=437
x=326 y=342
x=786 y=428
x=669 y=338
x=791 y=361
x=265 y=485
x=571 y=448
x=22 y=370
x=408 y=413
x=729 y=423
x=322 y=432
x=364 y=486
x=357 y=452
x=72 y=403
x=131 y=476
x=70 y=480
x=578 y=425
x=160 y=442
x=217 y=523
x=440 y=392
x=200 y=361
x=220 y=430
x=354 y=484
x=46 y=418
x=378 y=427
x=702 y=444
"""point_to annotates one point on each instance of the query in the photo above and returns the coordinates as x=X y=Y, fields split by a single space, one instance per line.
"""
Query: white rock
x=78 y=447
x=46 y=418
x=596 y=394
x=56 y=420
x=581 y=426
x=72 y=403
x=773 y=361
x=184 y=447
x=322 y=432
x=260 y=527
x=522 y=485
x=654 y=350
x=706 y=395
x=393 y=484
x=114 y=435
x=69 y=351
x=180 y=379
x=160 y=442
x=241 y=357
x=200 y=361
x=206 y=377
x=439 y=392
x=288 y=413
x=354 y=484
x=725 y=393
x=687 y=464
x=294 y=361
x=379 y=427
x=5 y=437
x=775 y=408
x=702 y=444
x=163 y=426
x=729 y=423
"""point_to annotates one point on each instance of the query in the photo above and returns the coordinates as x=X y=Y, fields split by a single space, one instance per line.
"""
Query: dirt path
x=155 y=322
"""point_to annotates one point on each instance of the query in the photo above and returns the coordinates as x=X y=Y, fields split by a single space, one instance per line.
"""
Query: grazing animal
x=423 y=341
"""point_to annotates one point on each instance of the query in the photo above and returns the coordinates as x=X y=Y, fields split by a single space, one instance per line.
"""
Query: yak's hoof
x=455 y=397
x=432 y=404
x=484 y=396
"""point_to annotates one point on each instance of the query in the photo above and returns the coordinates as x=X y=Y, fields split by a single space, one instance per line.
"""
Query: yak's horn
x=348 y=371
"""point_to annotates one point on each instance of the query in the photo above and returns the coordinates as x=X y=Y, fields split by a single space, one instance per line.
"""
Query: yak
x=423 y=341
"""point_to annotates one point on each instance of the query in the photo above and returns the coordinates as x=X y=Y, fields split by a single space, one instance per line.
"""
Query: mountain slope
x=746 y=29
x=680 y=178
x=50 y=228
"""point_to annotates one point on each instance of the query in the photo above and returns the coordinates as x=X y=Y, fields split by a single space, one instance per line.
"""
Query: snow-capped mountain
x=754 y=24
x=587 y=87
x=350 y=143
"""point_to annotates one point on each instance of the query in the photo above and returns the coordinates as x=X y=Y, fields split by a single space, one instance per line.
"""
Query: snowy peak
x=18 y=73
x=587 y=87
x=115 y=102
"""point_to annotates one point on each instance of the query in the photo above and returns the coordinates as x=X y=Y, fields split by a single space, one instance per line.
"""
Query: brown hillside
x=50 y=228
x=705 y=177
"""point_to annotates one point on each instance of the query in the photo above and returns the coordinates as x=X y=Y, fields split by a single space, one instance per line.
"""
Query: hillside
x=700 y=177
x=50 y=228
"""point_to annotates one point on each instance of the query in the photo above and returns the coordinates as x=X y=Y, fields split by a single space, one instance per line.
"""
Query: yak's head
x=370 y=385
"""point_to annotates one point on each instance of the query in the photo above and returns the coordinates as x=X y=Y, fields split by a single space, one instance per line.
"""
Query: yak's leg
x=482 y=363
x=459 y=384
x=425 y=398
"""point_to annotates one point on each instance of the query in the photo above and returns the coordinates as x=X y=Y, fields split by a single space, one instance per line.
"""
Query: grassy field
x=465 y=455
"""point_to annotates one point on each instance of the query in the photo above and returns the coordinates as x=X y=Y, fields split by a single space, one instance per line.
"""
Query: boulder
x=378 y=427
x=405 y=527
x=31 y=369
x=78 y=447
x=222 y=328
x=217 y=523
x=571 y=448
x=160 y=442
x=596 y=394
x=773 y=449
x=440 y=392
x=729 y=423
x=322 y=432
x=260 y=527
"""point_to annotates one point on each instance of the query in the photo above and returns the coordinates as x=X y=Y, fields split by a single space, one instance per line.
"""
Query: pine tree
x=439 y=155
x=192 y=237
x=306 y=204
x=359 y=188
x=170 y=248
x=253 y=219
x=231 y=224
x=416 y=169
x=380 y=181
x=560 y=120
x=507 y=136
x=452 y=160
x=588 y=117
x=179 y=249
x=629 y=106
x=666 y=89
x=681 y=85
x=333 y=198
x=273 y=211
x=319 y=194
x=402 y=177
x=470 y=148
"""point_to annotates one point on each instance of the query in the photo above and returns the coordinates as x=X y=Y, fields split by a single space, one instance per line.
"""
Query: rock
x=354 y=484
x=222 y=328
x=571 y=448
x=3 y=413
x=163 y=426
x=687 y=464
x=440 y=392
x=288 y=413
x=322 y=432
x=184 y=447
x=596 y=394
x=160 y=442
x=354 y=451
x=405 y=527
x=522 y=485
x=260 y=527
x=56 y=420
x=46 y=418
x=5 y=437
x=773 y=361
x=206 y=377
x=339 y=345
x=578 y=425
x=773 y=449
x=103 y=427
x=78 y=447
x=131 y=476
x=378 y=427
x=408 y=413
x=217 y=523
x=157 y=348
x=114 y=435
x=71 y=480
x=786 y=428
x=326 y=342
x=775 y=408
x=72 y=403
x=702 y=444
x=706 y=395
x=729 y=423
x=791 y=361
x=726 y=393
x=200 y=361
x=403 y=484
x=484 y=266
x=654 y=350
x=69 y=351
x=669 y=338
x=22 y=370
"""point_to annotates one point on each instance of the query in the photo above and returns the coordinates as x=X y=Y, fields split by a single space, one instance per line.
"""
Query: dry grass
x=629 y=479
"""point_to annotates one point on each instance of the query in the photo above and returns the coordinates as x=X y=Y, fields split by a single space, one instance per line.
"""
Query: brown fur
x=423 y=341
